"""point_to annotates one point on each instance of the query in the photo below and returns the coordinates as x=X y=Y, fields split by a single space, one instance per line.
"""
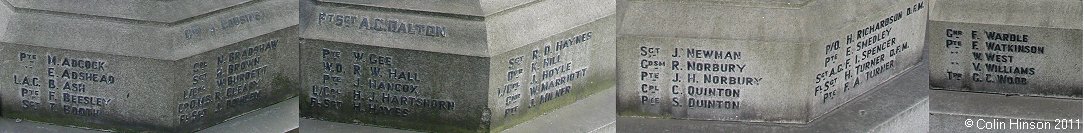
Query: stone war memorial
x=784 y=62
x=1010 y=61
x=138 y=65
x=451 y=66
x=1031 y=52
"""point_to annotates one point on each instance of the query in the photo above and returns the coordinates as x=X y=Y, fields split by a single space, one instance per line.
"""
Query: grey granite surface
x=118 y=69
x=278 y=118
x=900 y=104
x=763 y=63
x=594 y=114
x=424 y=70
x=1006 y=47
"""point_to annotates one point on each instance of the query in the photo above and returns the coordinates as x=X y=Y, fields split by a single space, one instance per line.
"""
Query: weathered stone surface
x=898 y=105
x=1062 y=14
x=583 y=116
x=101 y=69
x=139 y=10
x=429 y=70
x=764 y=63
x=280 y=117
x=1005 y=66
x=1005 y=59
x=950 y=110
x=888 y=39
x=166 y=41
x=464 y=7
x=1030 y=51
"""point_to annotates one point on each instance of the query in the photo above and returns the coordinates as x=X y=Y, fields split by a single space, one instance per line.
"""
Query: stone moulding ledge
x=879 y=86
x=396 y=10
x=163 y=41
x=127 y=16
x=129 y=20
x=491 y=28
x=737 y=3
x=460 y=7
